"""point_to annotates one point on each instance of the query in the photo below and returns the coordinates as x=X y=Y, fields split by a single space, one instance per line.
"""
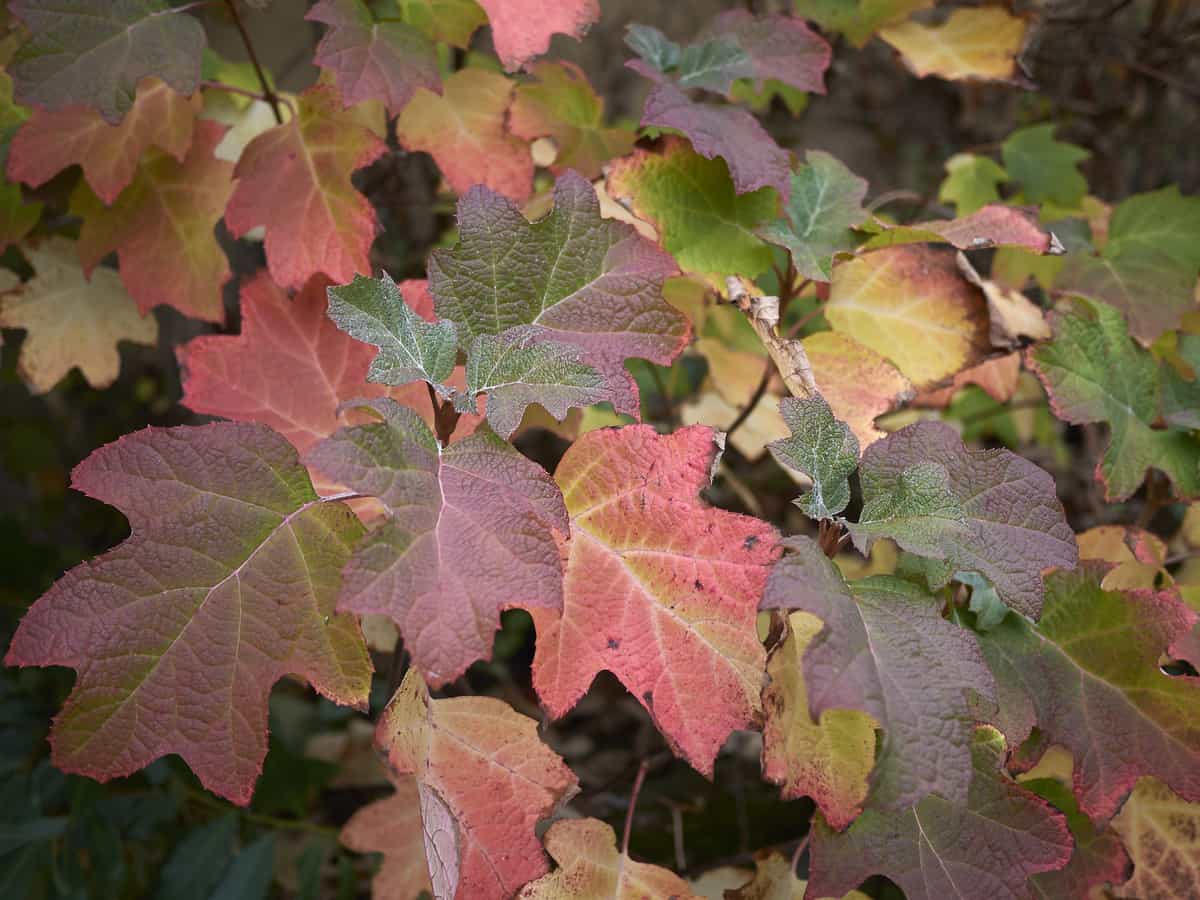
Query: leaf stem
x=800 y=848
x=633 y=798
x=258 y=818
x=445 y=416
x=268 y=94
x=759 y=391
x=253 y=95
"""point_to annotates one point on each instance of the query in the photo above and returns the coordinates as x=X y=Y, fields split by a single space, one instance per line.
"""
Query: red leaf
x=484 y=779
x=295 y=180
x=521 y=29
x=226 y=584
x=392 y=826
x=660 y=588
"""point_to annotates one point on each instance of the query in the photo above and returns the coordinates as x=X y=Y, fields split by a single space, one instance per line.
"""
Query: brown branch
x=268 y=94
x=633 y=797
x=759 y=391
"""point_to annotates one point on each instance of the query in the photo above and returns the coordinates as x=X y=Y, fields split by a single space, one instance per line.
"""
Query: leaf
x=295 y=181
x=993 y=225
x=859 y=20
x=912 y=306
x=198 y=860
x=971 y=182
x=1148 y=266
x=825 y=203
x=1045 y=168
x=392 y=826
x=483 y=780
x=1181 y=397
x=17 y=217
x=730 y=132
x=587 y=282
x=521 y=29
x=464 y=131
x=1162 y=833
x=984 y=845
x=775 y=880
x=589 y=865
x=562 y=105
x=77 y=135
x=1093 y=372
x=471 y=531
x=703 y=222
x=886 y=650
x=1088 y=676
x=823 y=448
x=521 y=367
x=250 y=874
x=72 y=321
x=226 y=584
x=290 y=368
x=828 y=758
x=161 y=228
x=660 y=589
x=971 y=45
x=987 y=511
x=83 y=53
x=372 y=310
x=1013 y=319
x=385 y=61
x=858 y=383
x=448 y=21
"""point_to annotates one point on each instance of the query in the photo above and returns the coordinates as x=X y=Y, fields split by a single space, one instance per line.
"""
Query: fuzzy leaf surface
x=986 y=844
x=471 y=531
x=886 y=650
x=988 y=511
x=483 y=779
x=660 y=589
x=226 y=584
x=823 y=448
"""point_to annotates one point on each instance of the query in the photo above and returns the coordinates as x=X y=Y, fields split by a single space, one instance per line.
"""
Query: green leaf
x=197 y=862
x=1093 y=372
x=15 y=835
x=373 y=311
x=823 y=448
x=987 y=511
x=989 y=609
x=521 y=367
x=1044 y=167
x=1099 y=856
x=249 y=876
x=825 y=203
x=970 y=182
x=858 y=20
x=450 y=21
x=1181 y=397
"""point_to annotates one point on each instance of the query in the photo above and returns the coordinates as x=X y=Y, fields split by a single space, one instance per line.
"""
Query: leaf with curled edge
x=83 y=52
x=886 y=650
x=108 y=154
x=373 y=60
x=1094 y=372
x=521 y=29
x=392 y=826
x=823 y=448
x=986 y=844
x=291 y=367
x=162 y=228
x=226 y=584
x=986 y=511
x=374 y=311
x=585 y=281
x=995 y=225
x=1087 y=675
x=520 y=367
x=472 y=528
x=294 y=180
x=484 y=779
x=589 y=865
x=659 y=589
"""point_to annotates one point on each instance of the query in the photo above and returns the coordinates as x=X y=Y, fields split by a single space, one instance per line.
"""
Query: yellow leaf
x=978 y=44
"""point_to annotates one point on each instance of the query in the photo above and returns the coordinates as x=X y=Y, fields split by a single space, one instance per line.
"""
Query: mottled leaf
x=823 y=448
x=81 y=52
x=161 y=227
x=1087 y=675
x=483 y=779
x=703 y=222
x=987 y=511
x=1046 y=169
x=588 y=282
x=521 y=29
x=1162 y=833
x=464 y=131
x=886 y=650
x=827 y=758
x=825 y=203
x=979 y=44
x=471 y=530
x=392 y=826
x=385 y=61
x=72 y=321
x=295 y=181
x=51 y=141
x=660 y=589
x=984 y=845
x=589 y=865
x=226 y=584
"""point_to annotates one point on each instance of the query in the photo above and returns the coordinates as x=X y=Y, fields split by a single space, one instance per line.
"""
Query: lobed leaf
x=823 y=448
x=971 y=182
x=392 y=826
x=993 y=225
x=1045 y=168
x=521 y=29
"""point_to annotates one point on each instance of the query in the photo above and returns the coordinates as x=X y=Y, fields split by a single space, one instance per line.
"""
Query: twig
x=633 y=797
x=268 y=94
x=800 y=847
x=888 y=196
x=759 y=391
x=242 y=92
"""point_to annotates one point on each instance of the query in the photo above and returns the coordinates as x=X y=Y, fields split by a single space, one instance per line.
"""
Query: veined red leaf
x=392 y=826
x=521 y=29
